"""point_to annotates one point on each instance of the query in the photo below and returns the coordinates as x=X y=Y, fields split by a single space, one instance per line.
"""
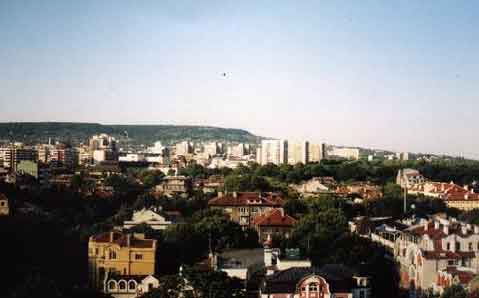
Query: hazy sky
x=400 y=75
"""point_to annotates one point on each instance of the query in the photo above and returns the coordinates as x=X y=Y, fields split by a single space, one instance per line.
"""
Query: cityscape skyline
x=353 y=75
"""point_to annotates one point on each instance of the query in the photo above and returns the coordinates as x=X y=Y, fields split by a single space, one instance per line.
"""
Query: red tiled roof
x=464 y=276
x=274 y=218
x=248 y=199
x=121 y=239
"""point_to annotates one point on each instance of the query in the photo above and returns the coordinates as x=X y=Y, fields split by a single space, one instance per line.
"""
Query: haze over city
x=392 y=75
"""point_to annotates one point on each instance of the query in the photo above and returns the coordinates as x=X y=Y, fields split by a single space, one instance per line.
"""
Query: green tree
x=454 y=291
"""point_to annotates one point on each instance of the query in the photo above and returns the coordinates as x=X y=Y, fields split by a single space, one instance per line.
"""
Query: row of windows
x=113 y=255
x=121 y=285
x=458 y=246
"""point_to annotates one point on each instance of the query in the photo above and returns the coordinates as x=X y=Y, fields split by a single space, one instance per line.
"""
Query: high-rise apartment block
x=273 y=151
x=298 y=152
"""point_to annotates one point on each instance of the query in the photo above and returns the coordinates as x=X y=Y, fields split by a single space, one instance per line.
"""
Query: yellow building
x=4 y=209
x=119 y=253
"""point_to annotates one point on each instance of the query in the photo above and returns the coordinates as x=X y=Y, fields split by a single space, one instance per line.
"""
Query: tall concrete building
x=184 y=148
x=274 y=151
x=316 y=152
x=298 y=152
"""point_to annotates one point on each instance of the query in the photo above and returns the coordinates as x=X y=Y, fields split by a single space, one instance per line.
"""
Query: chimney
x=112 y=236
x=282 y=212
x=436 y=225
x=446 y=229
x=426 y=226
x=128 y=240
x=464 y=229
x=476 y=229
x=466 y=187
x=235 y=194
x=220 y=194
x=466 y=196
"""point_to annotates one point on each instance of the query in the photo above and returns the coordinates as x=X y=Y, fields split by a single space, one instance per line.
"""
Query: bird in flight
x=224 y=74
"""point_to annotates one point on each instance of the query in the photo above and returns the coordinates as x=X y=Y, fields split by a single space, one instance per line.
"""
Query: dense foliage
x=38 y=132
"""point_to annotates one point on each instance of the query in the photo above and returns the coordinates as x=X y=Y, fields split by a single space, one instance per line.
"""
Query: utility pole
x=405 y=200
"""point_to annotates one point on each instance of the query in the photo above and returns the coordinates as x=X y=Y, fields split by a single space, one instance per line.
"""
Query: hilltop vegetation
x=35 y=132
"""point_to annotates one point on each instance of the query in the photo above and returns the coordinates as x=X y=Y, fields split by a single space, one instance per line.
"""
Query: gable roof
x=274 y=218
x=339 y=278
x=121 y=239
x=248 y=199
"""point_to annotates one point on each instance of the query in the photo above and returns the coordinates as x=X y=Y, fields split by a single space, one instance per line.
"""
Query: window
x=122 y=285
x=138 y=257
x=112 y=285
x=131 y=285
x=361 y=294
x=96 y=251
x=112 y=254
x=470 y=246
x=448 y=246
x=150 y=287
x=2 y=204
x=458 y=246
x=313 y=287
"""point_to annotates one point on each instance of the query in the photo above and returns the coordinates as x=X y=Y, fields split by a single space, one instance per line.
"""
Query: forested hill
x=35 y=132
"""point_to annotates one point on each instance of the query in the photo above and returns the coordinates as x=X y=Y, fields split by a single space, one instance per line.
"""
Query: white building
x=316 y=152
x=132 y=157
x=213 y=148
x=347 y=153
x=149 y=217
x=298 y=152
x=239 y=150
x=273 y=151
x=184 y=148
x=119 y=286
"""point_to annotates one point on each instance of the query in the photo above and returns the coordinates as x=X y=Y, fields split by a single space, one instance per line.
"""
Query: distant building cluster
x=454 y=195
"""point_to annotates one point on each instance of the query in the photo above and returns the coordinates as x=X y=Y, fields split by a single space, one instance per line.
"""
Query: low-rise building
x=406 y=178
x=129 y=286
x=175 y=184
x=313 y=187
x=243 y=207
x=151 y=217
x=119 y=253
x=273 y=224
x=310 y=282
x=424 y=249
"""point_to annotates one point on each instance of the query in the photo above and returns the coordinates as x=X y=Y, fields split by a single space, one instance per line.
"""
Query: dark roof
x=339 y=278
x=121 y=239
x=3 y=197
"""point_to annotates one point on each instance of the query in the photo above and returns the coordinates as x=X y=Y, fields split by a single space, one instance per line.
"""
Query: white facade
x=348 y=153
x=184 y=148
x=274 y=151
x=298 y=152
x=149 y=217
x=128 y=287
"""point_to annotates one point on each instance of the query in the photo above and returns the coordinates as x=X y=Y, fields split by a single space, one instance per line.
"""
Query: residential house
x=151 y=217
x=316 y=282
x=174 y=184
x=424 y=249
x=121 y=254
x=124 y=286
x=315 y=186
x=273 y=223
x=409 y=177
x=243 y=207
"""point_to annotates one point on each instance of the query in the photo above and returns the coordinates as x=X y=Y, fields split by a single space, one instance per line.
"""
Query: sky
x=397 y=75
